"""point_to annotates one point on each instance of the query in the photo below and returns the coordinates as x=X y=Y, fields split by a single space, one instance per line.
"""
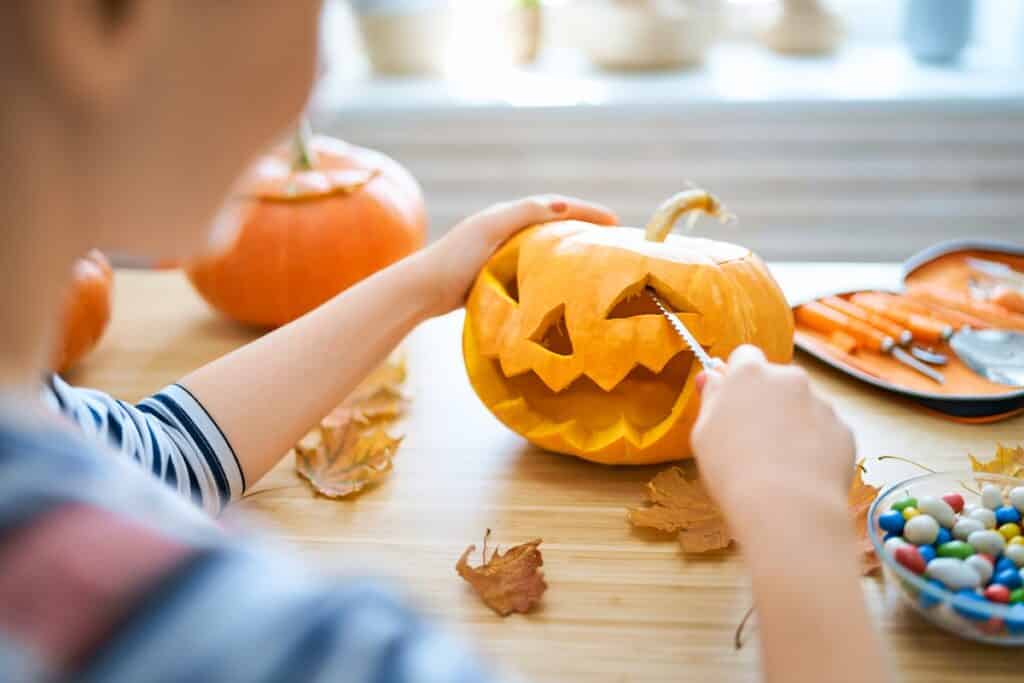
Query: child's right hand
x=764 y=439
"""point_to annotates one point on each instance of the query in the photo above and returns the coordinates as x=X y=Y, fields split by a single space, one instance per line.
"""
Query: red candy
x=997 y=593
x=955 y=501
x=909 y=557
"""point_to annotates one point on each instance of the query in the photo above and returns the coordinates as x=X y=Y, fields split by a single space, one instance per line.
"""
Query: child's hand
x=763 y=439
x=452 y=263
x=779 y=462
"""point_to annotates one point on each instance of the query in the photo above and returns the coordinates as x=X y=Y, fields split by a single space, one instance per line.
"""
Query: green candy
x=957 y=549
x=899 y=506
x=1017 y=595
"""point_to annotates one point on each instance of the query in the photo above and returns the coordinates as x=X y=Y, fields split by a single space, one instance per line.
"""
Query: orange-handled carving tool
x=953 y=318
x=820 y=317
x=923 y=328
x=902 y=335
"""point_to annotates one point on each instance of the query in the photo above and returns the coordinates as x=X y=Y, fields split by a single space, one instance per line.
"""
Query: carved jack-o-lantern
x=564 y=347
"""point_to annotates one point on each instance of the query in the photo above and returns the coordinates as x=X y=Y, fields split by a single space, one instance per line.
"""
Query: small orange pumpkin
x=564 y=347
x=312 y=225
x=86 y=310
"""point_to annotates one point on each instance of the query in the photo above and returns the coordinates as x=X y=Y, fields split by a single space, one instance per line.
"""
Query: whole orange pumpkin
x=564 y=347
x=86 y=310
x=313 y=224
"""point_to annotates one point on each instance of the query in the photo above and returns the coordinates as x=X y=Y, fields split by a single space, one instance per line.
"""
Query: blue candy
x=1002 y=564
x=891 y=522
x=927 y=552
x=980 y=613
x=943 y=537
x=1015 y=620
x=890 y=535
x=1007 y=515
x=926 y=600
x=1009 y=578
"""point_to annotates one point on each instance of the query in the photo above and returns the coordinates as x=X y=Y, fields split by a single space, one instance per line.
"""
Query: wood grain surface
x=622 y=605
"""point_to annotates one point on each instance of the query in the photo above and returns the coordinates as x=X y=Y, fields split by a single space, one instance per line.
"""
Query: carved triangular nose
x=553 y=333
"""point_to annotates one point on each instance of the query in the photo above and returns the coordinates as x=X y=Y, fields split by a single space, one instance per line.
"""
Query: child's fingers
x=708 y=384
x=571 y=208
x=746 y=355
x=508 y=219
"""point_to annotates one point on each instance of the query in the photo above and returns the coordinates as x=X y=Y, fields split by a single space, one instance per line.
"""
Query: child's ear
x=92 y=54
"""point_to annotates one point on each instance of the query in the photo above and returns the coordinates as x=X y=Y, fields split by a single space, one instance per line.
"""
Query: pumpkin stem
x=303 y=157
x=687 y=201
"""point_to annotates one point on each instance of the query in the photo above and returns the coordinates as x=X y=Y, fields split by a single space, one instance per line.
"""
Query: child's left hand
x=452 y=263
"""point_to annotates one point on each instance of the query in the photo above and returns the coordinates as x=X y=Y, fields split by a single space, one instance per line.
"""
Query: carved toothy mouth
x=642 y=400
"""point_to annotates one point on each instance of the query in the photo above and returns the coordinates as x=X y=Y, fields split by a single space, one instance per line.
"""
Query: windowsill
x=733 y=75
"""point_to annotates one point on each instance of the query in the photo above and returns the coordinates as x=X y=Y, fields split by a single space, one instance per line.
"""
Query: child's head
x=133 y=117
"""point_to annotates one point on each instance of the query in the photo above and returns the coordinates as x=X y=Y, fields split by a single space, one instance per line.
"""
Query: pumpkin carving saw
x=563 y=347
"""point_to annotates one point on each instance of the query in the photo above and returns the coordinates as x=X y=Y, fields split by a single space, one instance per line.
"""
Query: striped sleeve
x=169 y=434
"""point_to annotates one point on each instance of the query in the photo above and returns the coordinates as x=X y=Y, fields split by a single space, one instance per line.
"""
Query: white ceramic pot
x=638 y=34
x=804 y=27
x=525 y=26
x=410 y=41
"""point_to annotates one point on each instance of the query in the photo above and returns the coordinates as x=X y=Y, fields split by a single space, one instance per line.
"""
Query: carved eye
x=504 y=266
x=553 y=334
x=634 y=301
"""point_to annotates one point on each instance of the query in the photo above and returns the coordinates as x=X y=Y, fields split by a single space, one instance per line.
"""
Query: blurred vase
x=525 y=23
x=937 y=31
x=804 y=27
x=405 y=37
x=645 y=34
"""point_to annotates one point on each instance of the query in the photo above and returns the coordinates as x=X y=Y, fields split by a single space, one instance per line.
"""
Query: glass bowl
x=971 y=618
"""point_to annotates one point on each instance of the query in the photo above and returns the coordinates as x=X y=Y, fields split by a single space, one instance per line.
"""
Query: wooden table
x=622 y=605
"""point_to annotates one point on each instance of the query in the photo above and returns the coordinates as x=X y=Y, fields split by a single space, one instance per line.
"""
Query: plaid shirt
x=106 y=574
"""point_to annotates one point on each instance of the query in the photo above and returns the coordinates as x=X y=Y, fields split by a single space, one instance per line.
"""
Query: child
x=124 y=124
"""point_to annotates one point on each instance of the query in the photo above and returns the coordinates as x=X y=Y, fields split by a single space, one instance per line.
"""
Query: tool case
x=964 y=395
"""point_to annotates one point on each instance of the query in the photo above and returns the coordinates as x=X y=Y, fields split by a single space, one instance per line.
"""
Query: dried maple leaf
x=678 y=504
x=349 y=449
x=508 y=582
x=378 y=398
x=1008 y=461
x=860 y=498
x=343 y=456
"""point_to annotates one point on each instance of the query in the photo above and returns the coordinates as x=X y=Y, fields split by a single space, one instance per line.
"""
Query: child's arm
x=779 y=462
x=265 y=395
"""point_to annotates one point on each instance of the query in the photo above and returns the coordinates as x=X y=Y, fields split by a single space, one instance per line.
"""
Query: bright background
x=861 y=155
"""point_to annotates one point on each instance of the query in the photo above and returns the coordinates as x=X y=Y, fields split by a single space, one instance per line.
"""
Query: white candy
x=893 y=543
x=937 y=508
x=965 y=527
x=921 y=530
x=991 y=496
x=953 y=573
x=985 y=516
x=980 y=565
x=988 y=542
x=1017 y=498
x=968 y=509
x=1015 y=553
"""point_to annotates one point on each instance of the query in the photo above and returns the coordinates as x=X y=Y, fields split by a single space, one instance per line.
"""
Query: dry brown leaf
x=860 y=498
x=378 y=397
x=1008 y=461
x=678 y=504
x=350 y=448
x=508 y=582
x=343 y=456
